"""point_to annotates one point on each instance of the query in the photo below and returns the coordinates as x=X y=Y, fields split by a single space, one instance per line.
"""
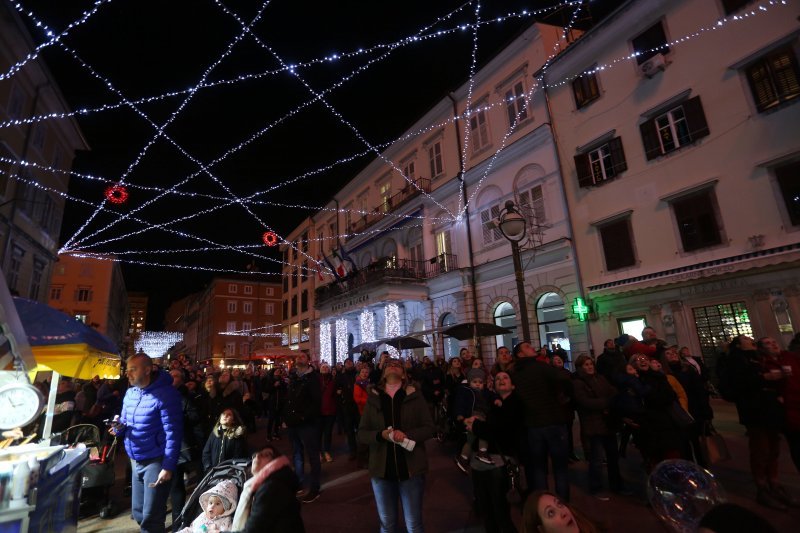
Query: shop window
x=505 y=316
x=553 y=331
x=720 y=323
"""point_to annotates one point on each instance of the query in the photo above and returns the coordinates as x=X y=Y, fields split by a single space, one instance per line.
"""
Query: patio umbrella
x=369 y=346
x=61 y=343
x=406 y=343
x=473 y=330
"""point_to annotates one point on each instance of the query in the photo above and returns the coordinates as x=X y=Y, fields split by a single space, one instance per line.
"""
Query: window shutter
x=784 y=65
x=487 y=232
x=652 y=148
x=584 y=170
x=698 y=127
x=761 y=86
x=617 y=155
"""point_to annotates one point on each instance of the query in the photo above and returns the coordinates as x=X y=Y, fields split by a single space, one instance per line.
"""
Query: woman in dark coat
x=275 y=387
x=593 y=397
x=662 y=437
x=228 y=440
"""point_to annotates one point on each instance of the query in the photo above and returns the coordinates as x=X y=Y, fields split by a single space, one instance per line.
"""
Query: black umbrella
x=406 y=343
x=369 y=346
x=473 y=330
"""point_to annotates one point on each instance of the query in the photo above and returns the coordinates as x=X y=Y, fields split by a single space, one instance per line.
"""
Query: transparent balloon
x=681 y=492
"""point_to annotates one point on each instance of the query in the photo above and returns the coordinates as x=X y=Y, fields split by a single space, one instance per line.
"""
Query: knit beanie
x=476 y=373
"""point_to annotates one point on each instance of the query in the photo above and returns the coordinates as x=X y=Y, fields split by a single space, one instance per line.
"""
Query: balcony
x=387 y=270
x=397 y=200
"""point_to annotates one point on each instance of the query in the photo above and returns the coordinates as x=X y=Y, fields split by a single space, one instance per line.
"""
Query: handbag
x=680 y=416
x=713 y=446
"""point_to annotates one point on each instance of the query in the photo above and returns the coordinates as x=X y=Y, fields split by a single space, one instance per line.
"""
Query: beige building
x=681 y=167
x=412 y=235
x=93 y=291
x=31 y=206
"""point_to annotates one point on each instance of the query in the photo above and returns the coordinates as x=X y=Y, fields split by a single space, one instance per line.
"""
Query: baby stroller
x=236 y=470
x=97 y=476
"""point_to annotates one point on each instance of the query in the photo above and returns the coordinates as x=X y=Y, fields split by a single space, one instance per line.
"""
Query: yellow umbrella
x=78 y=361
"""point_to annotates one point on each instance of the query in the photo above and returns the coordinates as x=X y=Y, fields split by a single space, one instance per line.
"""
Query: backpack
x=727 y=381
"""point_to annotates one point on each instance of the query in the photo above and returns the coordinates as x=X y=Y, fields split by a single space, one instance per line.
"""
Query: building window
x=5 y=166
x=294 y=305
x=17 y=255
x=720 y=323
x=16 y=102
x=269 y=291
x=585 y=89
x=617 y=241
x=285 y=282
x=678 y=127
x=245 y=349
x=230 y=327
x=516 y=103
x=247 y=326
x=774 y=79
x=55 y=293
x=230 y=349
x=232 y=306
x=732 y=6
x=304 y=301
x=304 y=242
x=248 y=289
x=247 y=308
x=294 y=278
x=506 y=317
x=83 y=294
x=531 y=203
x=385 y=192
x=285 y=309
x=788 y=177
x=348 y=219
x=304 y=330
x=491 y=232
x=36 y=278
x=39 y=131
x=410 y=170
x=233 y=288
x=601 y=164
x=269 y=308
x=82 y=317
x=651 y=42
x=553 y=331
x=435 y=159
x=696 y=217
x=479 y=129
x=304 y=271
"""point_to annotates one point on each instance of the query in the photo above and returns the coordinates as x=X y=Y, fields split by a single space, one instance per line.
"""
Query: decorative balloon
x=117 y=194
x=270 y=238
x=680 y=493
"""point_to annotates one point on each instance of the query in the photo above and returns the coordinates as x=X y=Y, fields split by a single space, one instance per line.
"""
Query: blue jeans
x=149 y=505
x=544 y=442
x=305 y=440
x=409 y=492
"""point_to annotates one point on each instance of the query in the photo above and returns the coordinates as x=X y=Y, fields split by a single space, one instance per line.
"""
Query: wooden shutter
x=652 y=148
x=617 y=244
x=617 y=155
x=698 y=127
x=585 y=178
x=784 y=68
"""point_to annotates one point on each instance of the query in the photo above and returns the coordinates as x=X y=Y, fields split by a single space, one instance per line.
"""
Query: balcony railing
x=395 y=201
x=387 y=269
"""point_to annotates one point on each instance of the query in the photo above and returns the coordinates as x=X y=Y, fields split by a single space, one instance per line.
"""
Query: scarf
x=249 y=489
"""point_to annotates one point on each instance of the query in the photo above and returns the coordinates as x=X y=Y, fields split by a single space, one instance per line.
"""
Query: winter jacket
x=414 y=420
x=153 y=421
x=661 y=432
x=470 y=402
x=610 y=364
x=593 y=397
x=328 y=391
x=229 y=494
x=304 y=399
x=757 y=399
x=503 y=427
x=538 y=385
x=360 y=396
x=274 y=507
x=791 y=390
x=432 y=383
x=696 y=391
x=223 y=445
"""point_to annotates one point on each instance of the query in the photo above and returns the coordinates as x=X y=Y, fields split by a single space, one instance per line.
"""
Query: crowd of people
x=511 y=426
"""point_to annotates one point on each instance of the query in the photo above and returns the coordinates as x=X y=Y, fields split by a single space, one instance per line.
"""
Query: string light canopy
x=156 y=343
x=104 y=225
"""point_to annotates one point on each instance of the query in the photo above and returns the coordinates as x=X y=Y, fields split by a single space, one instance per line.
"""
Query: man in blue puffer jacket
x=152 y=423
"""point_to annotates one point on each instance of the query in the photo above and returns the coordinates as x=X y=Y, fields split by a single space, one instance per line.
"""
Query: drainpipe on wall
x=461 y=172
x=575 y=261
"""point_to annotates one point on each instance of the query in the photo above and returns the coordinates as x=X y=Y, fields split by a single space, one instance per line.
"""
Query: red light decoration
x=117 y=194
x=270 y=238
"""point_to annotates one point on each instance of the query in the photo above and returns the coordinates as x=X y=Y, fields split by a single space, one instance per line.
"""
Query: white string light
x=156 y=343
x=341 y=340
x=325 y=342
x=392 y=325
x=366 y=321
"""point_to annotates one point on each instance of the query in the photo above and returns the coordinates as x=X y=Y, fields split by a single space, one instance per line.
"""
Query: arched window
x=553 y=325
x=450 y=344
x=505 y=316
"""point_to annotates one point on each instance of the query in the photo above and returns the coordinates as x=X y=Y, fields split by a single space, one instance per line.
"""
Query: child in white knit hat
x=218 y=504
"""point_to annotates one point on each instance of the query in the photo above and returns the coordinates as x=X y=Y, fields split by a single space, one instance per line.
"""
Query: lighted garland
x=117 y=194
x=270 y=238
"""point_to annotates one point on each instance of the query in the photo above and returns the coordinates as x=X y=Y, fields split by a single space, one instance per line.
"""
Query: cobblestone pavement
x=347 y=505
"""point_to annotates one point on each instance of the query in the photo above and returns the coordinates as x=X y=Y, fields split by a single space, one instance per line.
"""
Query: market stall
x=40 y=484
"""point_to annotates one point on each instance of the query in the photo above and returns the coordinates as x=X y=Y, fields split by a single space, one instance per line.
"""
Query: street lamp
x=512 y=225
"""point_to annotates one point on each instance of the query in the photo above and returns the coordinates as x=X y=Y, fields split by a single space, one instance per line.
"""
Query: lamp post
x=512 y=225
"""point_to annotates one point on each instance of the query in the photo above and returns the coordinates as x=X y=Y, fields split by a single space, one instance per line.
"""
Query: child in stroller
x=234 y=470
x=218 y=504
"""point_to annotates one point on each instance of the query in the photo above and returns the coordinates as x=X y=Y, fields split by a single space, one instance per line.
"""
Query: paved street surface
x=347 y=505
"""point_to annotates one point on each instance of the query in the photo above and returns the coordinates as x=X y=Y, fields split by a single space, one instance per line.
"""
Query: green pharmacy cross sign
x=580 y=309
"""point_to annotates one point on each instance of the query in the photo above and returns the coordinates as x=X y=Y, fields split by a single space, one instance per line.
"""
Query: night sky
x=147 y=48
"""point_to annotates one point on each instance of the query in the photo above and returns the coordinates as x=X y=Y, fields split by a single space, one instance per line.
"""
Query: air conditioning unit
x=654 y=65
